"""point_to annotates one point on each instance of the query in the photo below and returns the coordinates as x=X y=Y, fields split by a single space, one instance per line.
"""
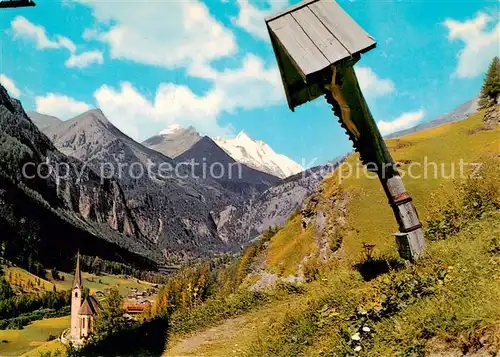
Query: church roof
x=96 y=305
x=77 y=282
x=86 y=309
x=90 y=306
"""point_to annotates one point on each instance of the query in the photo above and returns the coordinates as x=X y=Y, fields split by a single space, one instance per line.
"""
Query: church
x=83 y=310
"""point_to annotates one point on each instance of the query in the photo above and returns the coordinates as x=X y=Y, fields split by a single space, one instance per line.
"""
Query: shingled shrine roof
x=308 y=38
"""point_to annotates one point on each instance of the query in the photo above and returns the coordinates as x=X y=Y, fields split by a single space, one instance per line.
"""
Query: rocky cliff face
x=249 y=219
x=52 y=201
x=171 y=207
x=492 y=117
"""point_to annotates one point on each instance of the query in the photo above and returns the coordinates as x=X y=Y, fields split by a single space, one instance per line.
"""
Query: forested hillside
x=45 y=219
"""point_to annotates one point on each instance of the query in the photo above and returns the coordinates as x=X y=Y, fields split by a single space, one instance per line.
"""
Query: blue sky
x=148 y=65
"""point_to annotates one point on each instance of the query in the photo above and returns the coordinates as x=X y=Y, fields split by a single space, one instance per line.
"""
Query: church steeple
x=76 y=302
x=77 y=282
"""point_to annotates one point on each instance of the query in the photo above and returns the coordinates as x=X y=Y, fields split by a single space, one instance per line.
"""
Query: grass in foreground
x=450 y=297
x=408 y=309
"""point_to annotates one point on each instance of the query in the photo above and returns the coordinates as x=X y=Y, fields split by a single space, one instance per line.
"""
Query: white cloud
x=10 y=86
x=60 y=106
x=84 y=59
x=251 y=86
x=404 y=121
x=371 y=84
x=199 y=40
x=480 y=44
x=176 y=33
x=27 y=30
x=23 y=28
x=129 y=110
x=66 y=43
x=251 y=18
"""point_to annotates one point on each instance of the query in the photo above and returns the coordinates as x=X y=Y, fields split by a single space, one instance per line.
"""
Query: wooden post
x=316 y=44
x=344 y=94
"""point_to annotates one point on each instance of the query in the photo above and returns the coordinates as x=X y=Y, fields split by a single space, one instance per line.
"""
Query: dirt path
x=230 y=338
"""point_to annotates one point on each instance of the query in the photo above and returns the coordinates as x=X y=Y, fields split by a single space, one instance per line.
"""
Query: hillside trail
x=231 y=337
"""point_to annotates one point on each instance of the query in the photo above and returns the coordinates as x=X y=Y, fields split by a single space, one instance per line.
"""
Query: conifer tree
x=491 y=85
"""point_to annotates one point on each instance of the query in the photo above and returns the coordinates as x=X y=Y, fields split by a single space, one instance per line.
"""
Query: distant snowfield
x=172 y=129
x=259 y=155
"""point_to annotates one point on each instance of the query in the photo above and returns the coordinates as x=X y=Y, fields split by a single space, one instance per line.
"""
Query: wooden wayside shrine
x=16 y=3
x=316 y=44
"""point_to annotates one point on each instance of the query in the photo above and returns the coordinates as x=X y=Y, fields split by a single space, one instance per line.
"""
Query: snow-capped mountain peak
x=243 y=136
x=171 y=129
x=258 y=155
x=174 y=140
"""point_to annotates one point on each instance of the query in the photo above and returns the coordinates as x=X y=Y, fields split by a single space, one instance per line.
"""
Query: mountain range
x=202 y=214
x=173 y=210
x=463 y=111
x=173 y=140
x=185 y=212
x=255 y=154
x=209 y=159
x=43 y=121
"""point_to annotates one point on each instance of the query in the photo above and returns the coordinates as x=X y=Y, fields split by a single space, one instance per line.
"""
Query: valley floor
x=33 y=338
x=17 y=342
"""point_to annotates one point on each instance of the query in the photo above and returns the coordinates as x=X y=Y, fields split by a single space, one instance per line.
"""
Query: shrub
x=215 y=310
x=479 y=194
x=289 y=288
x=311 y=269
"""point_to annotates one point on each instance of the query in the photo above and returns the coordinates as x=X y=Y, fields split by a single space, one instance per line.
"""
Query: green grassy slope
x=447 y=300
x=371 y=218
x=288 y=247
x=451 y=296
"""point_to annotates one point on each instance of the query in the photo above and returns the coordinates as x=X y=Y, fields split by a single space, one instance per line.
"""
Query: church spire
x=78 y=276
